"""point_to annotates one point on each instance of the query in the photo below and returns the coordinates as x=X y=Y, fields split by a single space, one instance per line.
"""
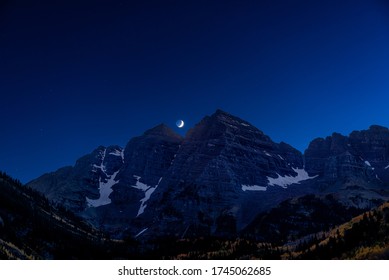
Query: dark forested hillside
x=364 y=237
x=298 y=217
x=32 y=228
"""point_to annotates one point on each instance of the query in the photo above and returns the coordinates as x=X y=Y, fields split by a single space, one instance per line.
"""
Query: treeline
x=210 y=248
x=367 y=238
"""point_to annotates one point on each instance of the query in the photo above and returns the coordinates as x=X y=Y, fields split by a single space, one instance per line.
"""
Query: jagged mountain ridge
x=216 y=179
x=356 y=167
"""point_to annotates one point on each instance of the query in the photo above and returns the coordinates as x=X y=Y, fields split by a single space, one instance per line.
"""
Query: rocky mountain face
x=216 y=180
x=224 y=173
x=355 y=167
x=73 y=186
x=145 y=161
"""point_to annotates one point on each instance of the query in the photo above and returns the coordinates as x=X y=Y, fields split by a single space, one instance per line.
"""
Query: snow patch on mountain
x=266 y=153
x=141 y=232
x=253 y=188
x=105 y=189
x=139 y=185
x=117 y=153
x=101 y=166
x=369 y=164
x=284 y=181
x=387 y=167
x=148 y=190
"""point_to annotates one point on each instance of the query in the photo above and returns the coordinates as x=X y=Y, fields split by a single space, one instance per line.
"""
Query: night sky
x=78 y=74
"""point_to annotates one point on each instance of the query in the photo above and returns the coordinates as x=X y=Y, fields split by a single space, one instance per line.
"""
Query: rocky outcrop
x=70 y=186
x=373 y=146
x=354 y=167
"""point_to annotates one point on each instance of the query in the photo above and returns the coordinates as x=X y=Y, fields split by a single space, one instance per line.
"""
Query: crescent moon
x=180 y=123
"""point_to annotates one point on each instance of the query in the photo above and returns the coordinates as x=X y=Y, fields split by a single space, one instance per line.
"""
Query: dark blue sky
x=78 y=74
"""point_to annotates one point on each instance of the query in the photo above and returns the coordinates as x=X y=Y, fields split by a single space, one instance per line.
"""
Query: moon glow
x=180 y=123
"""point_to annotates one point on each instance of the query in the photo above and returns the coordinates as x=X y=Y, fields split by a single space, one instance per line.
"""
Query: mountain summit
x=162 y=130
x=216 y=180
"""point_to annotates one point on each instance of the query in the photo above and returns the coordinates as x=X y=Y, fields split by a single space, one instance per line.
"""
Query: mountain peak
x=374 y=131
x=222 y=115
x=376 y=127
x=221 y=123
x=162 y=130
x=231 y=120
x=220 y=112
